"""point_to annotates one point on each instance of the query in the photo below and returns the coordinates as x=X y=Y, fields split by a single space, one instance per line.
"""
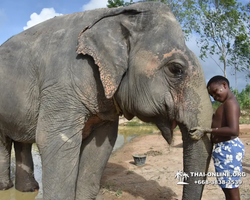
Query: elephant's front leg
x=24 y=181
x=59 y=138
x=96 y=150
x=5 y=150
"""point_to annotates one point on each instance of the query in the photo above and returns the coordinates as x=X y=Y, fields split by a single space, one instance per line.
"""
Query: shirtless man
x=228 y=149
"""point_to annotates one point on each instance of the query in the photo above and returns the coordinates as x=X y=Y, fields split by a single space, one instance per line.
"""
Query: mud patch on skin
x=65 y=138
x=25 y=168
x=89 y=125
x=148 y=62
x=169 y=16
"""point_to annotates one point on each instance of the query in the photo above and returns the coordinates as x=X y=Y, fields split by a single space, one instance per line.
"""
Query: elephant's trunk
x=196 y=158
x=197 y=154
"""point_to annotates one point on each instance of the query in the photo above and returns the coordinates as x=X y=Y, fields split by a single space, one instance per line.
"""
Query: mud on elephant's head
x=145 y=65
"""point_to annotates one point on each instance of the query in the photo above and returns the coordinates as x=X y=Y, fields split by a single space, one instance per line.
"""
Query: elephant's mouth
x=174 y=124
x=166 y=129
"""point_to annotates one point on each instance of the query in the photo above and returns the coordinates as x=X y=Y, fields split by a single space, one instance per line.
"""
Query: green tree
x=248 y=7
x=240 y=55
x=115 y=3
x=244 y=98
x=221 y=22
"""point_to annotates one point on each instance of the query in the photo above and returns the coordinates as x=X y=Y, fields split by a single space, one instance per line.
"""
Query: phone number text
x=218 y=182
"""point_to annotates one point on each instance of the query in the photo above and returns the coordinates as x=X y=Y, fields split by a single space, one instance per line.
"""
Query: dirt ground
x=156 y=179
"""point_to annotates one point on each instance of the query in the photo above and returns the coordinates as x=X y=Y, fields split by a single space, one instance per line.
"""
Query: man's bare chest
x=219 y=119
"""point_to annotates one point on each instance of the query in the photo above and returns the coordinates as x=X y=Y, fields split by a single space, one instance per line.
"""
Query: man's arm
x=232 y=114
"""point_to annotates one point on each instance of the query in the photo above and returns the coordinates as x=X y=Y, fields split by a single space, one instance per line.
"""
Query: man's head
x=218 y=88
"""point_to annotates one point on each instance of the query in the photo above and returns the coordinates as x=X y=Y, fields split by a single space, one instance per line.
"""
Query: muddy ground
x=155 y=180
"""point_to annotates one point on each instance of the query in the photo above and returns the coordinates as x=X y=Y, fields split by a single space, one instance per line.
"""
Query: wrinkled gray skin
x=131 y=61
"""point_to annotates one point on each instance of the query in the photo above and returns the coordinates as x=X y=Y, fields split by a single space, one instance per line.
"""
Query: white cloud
x=45 y=14
x=93 y=4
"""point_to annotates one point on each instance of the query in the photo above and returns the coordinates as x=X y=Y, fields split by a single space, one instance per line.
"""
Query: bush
x=243 y=97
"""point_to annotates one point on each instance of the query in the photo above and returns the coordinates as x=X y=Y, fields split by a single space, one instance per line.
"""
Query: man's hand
x=196 y=133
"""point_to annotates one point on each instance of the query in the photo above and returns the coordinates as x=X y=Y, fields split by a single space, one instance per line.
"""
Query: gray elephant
x=130 y=60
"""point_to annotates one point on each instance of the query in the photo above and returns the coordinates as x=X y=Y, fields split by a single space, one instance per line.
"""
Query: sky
x=16 y=16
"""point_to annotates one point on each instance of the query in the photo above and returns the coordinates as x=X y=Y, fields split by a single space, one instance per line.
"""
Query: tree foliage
x=117 y=3
x=240 y=55
x=248 y=7
x=224 y=31
x=244 y=97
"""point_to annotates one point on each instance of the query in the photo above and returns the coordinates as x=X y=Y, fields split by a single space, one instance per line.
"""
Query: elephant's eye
x=176 y=69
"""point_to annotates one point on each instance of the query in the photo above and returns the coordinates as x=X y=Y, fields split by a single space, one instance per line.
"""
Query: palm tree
x=185 y=176
x=179 y=175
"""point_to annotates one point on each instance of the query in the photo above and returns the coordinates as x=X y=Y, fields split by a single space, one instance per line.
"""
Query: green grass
x=118 y=193
x=112 y=189
x=245 y=116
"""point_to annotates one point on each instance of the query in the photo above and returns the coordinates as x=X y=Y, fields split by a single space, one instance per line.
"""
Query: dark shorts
x=227 y=158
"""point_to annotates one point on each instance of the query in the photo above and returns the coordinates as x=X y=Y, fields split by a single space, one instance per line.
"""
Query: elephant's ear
x=107 y=41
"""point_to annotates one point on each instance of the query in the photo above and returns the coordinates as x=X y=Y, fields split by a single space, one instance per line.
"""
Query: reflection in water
x=125 y=134
x=13 y=194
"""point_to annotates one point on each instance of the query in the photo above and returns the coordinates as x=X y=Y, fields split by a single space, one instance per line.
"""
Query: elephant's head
x=145 y=65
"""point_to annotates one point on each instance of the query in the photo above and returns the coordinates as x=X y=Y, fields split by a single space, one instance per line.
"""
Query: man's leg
x=232 y=194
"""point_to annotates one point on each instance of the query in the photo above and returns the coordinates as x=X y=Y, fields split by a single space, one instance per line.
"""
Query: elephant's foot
x=6 y=185
x=27 y=185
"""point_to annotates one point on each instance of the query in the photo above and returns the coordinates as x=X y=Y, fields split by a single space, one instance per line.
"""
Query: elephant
x=65 y=82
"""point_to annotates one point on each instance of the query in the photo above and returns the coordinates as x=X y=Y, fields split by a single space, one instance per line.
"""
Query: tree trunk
x=236 y=90
x=225 y=67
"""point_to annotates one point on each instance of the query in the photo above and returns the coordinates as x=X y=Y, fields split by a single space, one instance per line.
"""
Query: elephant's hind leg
x=25 y=181
x=5 y=150
x=95 y=152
